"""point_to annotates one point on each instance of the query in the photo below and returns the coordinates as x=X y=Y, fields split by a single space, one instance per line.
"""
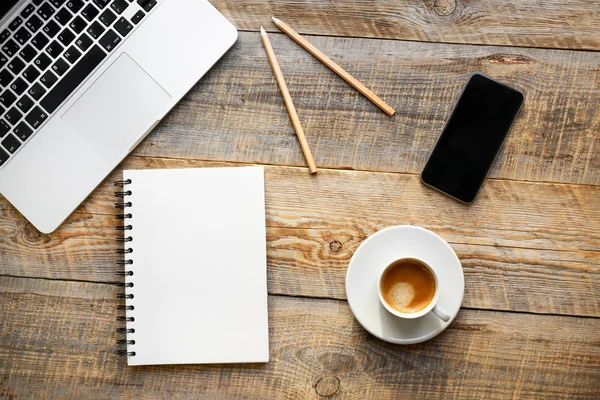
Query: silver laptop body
x=83 y=82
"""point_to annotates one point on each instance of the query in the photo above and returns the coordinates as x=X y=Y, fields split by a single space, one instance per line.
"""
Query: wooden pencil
x=288 y=102
x=334 y=67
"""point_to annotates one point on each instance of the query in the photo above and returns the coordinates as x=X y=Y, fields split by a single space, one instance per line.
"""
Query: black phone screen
x=472 y=137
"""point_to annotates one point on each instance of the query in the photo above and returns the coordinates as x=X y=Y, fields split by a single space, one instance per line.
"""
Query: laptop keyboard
x=48 y=50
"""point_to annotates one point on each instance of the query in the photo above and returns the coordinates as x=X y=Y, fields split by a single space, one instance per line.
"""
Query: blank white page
x=199 y=266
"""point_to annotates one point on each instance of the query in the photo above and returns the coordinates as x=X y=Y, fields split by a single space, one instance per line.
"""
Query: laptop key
x=57 y=3
x=78 y=24
x=34 y=23
x=31 y=73
x=23 y=131
x=137 y=17
x=5 y=77
x=48 y=79
x=7 y=98
x=60 y=67
x=19 y=86
x=16 y=65
x=4 y=127
x=72 y=54
x=15 y=23
x=10 y=48
x=42 y=61
x=147 y=5
x=3 y=157
x=22 y=36
x=51 y=29
x=110 y=40
x=11 y=143
x=39 y=41
x=3 y=60
x=54 y=49
x=27 y=11
x=75 y=5
x=90 y=12
x=95 y=30
x=25 y=104
x=37 y=2
x=45 y=11
x=72 y=79
x=13 y=116
x=66 y=37
x=84 y=42
x=36 y=117
x=101 y=3
x=123 y=26
x=119 y=6
x=107 y=17
x=28 y=53
x=63 y=16
x=36 y=91
x=4 y=35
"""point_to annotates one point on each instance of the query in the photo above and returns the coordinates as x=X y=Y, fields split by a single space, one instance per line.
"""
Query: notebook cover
x=199 y=266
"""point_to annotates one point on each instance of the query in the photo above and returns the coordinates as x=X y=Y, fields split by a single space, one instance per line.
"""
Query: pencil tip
x=262 y=31
x=277 y=21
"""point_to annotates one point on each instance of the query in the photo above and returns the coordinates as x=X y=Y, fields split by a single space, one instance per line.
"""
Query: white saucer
x=376 y=253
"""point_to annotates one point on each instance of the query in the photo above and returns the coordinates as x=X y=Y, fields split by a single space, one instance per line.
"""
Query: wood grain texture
x=534 y=23
x=57 y=340
x=236 y=112
x=524 y=246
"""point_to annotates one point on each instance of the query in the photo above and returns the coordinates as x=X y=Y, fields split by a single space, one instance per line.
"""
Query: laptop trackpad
x=119 y=107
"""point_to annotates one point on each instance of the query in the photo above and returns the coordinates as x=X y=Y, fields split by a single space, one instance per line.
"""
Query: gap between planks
x=337 y=169
x=277 y=31
x=311 y=297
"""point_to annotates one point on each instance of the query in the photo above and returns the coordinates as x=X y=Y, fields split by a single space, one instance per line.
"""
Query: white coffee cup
x=432 y=306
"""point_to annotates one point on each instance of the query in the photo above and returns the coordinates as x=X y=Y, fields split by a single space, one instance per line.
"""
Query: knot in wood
x=335 y=246
x=508 y=59
x=327 y=386
x=31 y=233
x=444 y=7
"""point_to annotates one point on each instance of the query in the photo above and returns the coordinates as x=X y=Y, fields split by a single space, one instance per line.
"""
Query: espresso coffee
x=408 y=286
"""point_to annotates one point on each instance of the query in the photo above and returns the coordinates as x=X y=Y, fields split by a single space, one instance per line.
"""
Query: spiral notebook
x=194 y=258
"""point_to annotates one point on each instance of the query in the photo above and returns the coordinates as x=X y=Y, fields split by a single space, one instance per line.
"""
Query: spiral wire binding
x=122 y=204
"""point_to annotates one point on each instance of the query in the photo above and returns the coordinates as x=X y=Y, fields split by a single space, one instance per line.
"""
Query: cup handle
x=441 y=313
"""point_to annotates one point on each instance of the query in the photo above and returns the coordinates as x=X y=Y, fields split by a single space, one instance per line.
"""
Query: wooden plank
x=57 y=340
x=531 y=23
x=236 y=113
x=524 y=246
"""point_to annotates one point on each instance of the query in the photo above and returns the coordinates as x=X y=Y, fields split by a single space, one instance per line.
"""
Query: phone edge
x=499 y=147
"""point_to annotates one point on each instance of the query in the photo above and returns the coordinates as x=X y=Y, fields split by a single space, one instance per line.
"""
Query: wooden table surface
x=530 y=245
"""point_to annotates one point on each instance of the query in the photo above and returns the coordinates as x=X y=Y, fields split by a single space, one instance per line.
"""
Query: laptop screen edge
x=8 y=9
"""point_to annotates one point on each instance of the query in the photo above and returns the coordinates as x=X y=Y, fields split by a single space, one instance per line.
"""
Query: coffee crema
x=408 y=286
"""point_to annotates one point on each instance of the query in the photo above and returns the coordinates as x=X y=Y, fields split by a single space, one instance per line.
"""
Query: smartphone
x=472 y=138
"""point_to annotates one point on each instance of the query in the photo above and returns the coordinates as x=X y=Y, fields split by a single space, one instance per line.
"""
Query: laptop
x=82 y=82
